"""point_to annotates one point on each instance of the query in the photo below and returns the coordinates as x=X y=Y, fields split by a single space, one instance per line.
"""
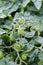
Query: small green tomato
x=37 y=28
x=23 y=57
x=5 y=37
x=16 y=26
x=21 y=21
x=17 y=46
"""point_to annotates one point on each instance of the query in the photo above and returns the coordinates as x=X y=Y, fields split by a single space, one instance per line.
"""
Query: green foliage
x=21 y=32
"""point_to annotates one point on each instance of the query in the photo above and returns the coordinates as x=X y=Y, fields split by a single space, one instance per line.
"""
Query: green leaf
x=33 y=54
x=29 y=34
x=2 y=31
x=39 y=40
x=25 y=2
x=7 y=62
x=30 y=47
x=41 y=55
x=2 y=15
x=7 y=25
x=37 y=3
x=23 y=41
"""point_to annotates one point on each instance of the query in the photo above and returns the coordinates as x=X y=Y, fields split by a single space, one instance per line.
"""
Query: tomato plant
x=21 y=32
